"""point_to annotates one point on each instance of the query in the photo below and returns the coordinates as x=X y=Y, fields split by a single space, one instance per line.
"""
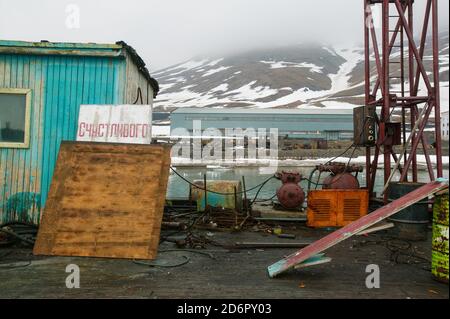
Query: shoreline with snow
x=310 y=162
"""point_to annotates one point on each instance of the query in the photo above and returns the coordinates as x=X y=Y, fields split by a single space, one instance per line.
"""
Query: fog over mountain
x=167 y=32
x=304 y=75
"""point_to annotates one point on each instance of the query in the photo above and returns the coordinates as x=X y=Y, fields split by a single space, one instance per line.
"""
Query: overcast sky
x=166 y=32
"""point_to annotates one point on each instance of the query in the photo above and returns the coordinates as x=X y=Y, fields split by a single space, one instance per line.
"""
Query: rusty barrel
x=412 y=222
x=439 y=254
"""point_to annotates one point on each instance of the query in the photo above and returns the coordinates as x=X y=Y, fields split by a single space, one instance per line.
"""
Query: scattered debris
x=173 y=225
x=17 y=232
x=282 y=219
x=381 y=226
x=271 y=244
x=225 y=219
x=277 y=231
x=356 y=227
x=287 y=236
x=316 y=260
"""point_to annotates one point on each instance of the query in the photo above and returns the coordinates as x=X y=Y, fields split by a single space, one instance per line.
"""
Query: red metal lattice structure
x=397 y=36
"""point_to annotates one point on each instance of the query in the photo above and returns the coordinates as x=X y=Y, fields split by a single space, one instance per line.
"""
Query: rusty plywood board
x=105 y=200
x=356 y=227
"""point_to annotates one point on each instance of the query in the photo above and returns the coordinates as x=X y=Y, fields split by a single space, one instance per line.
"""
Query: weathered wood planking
x=105 y=200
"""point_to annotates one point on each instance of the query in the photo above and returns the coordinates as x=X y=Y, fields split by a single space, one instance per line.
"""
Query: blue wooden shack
x=45 y=84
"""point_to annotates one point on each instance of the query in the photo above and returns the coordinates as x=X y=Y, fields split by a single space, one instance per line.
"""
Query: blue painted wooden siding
x=59 y=84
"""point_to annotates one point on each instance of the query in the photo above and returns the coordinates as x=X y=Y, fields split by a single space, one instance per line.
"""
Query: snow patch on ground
x=173 y=82
x=329 y=51
x=247 y=93
x=220 y=88
x=340 y=80
x=444 y=59
x=186 y=66
x=338 y=105
x=282 y=64
x=167 y=86
x=215 y=62
x=160 y=130
x=217 y=70
x=193 y=64
x=444 y=96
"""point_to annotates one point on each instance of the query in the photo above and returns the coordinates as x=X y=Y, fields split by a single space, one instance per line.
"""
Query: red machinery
x=340 y=176
x=290 y=194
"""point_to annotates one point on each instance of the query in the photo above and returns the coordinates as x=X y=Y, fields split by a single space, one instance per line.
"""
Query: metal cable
x=218 y=193
x=265 y=200
x=184 y=262
x=259 y=190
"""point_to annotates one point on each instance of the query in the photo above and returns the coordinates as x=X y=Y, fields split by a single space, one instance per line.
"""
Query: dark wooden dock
x=232 y=274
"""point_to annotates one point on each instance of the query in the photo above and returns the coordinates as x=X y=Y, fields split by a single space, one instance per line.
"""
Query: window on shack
x=14 y=118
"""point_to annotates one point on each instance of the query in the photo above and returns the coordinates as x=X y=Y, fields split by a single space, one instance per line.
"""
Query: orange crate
x=335 y=207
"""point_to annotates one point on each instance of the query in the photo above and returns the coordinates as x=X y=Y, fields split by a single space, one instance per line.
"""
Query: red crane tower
x=400 y=76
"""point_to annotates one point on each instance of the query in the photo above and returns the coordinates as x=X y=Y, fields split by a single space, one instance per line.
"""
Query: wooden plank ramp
x=356 y=227
x=105 y=200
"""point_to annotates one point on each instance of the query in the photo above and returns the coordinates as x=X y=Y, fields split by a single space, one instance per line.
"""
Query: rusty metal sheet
x=356 y=227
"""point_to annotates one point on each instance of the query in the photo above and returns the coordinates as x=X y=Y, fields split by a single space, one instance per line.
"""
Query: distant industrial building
x=309 y=124
x=444 y=125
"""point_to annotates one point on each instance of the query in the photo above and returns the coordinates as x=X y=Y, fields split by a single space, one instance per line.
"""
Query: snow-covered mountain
x=307 y=75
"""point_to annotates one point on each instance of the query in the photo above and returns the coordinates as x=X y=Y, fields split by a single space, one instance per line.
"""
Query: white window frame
x=26 y=142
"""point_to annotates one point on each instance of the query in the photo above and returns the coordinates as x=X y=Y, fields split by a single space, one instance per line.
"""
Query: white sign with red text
x=129 y=124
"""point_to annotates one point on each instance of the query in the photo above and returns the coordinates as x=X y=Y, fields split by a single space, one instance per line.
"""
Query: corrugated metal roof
x=318 y=111
x=57 y=45
x=117 y=50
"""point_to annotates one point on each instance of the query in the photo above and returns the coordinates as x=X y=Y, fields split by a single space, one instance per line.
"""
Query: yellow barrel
x=439 y=258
